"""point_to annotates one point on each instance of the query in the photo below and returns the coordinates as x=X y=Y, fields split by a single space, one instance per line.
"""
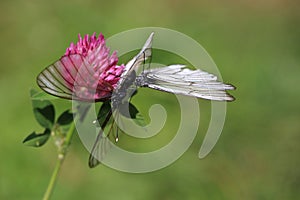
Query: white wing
x=179 y=80
x=128 y=75
x=143 y=55
x=134 y=63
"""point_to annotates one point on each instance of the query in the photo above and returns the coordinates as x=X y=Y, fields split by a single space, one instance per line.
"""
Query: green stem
x=60 y=159
x=53 y=179
x=69 y=135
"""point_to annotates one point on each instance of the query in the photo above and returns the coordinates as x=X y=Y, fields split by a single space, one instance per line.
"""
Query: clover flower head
x=90 y=70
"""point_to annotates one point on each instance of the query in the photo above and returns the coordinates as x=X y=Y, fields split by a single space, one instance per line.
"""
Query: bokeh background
x=256 y=46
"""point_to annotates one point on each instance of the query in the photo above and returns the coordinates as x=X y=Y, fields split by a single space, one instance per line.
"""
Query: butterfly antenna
x=144 y=61
x=117 y=135
x=150 y=59
x=117 y=131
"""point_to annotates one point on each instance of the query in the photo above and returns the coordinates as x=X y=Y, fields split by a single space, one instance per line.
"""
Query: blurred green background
x=256 y=46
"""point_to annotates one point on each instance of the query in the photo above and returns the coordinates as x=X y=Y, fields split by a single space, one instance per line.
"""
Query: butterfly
x=59 y=80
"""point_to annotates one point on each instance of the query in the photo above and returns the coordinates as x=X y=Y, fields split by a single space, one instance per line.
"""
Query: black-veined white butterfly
x=58 y=79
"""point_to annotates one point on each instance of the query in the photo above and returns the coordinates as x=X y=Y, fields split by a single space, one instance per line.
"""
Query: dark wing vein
x=179 y=80
x=68 y=74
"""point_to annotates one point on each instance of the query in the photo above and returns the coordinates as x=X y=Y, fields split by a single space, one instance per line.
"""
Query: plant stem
x=69 y=135
x=60 y=159
x=53 y=179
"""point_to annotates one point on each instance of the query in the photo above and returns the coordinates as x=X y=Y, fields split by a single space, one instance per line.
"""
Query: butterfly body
x=125 y=91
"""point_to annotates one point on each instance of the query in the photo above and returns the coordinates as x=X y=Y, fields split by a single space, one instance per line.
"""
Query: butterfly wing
x=52 y=81
x=109 y=132
x=179 y=80
x=135 y=62
x=143 y=55
x=128 y=76
x=71 y=77
x=101 y=147
x=102 y=142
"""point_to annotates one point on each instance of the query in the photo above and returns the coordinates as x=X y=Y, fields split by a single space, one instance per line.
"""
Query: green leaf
x=128 y=110
x=37 y=140
x=45 y=116
x=43 y=111
x=132 y=113
x=139 y=120
x=65 y=118
x=42 y=96
x=103 y=112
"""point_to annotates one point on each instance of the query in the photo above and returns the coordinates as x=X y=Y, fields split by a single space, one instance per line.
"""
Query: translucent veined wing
x=100 y=148
x=179 y=80
x=109 y=132
x=127 y=78
x=72 y=77
x=135 y=62
x=102 y=141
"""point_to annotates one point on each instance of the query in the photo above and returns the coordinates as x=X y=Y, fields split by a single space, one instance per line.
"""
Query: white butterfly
x=178 y=79
x=175 y=79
